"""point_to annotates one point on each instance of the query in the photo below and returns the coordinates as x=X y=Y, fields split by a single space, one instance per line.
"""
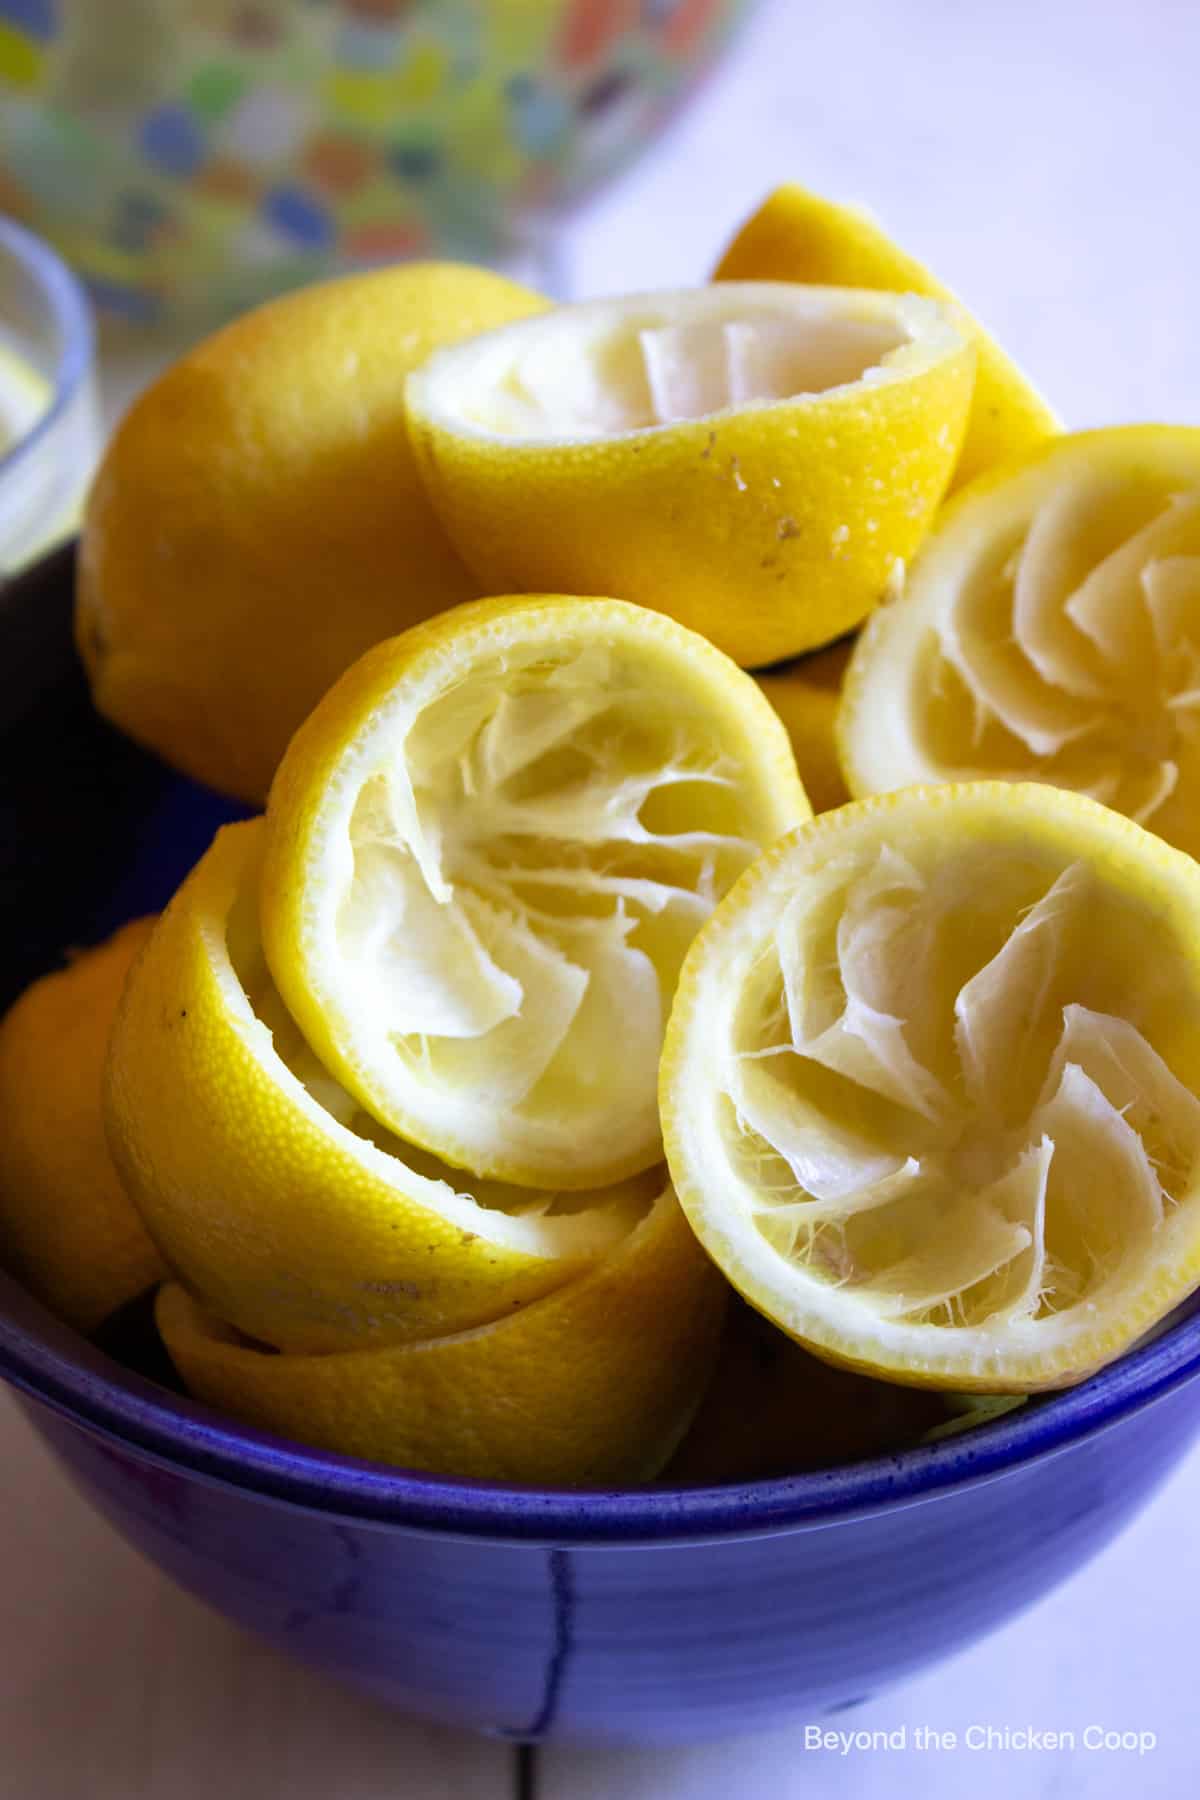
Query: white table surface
x=1042 y=156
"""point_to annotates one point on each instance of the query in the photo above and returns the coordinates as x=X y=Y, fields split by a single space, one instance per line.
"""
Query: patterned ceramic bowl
x=193 y=156
x=638 y=1616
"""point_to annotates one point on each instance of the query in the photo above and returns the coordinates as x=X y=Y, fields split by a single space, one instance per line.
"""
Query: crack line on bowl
x=562 y=1591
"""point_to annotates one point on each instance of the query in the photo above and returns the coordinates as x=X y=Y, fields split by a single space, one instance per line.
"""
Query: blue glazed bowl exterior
x=651 y=1615
x=658 y=1616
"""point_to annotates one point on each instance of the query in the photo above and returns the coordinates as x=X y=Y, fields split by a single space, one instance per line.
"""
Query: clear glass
x=49 y=435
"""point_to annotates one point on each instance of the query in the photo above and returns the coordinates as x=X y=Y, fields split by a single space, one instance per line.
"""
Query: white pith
x=543 y=1224
x=528 y=853
x=1055 y=638
x=614 y=366
x=930 y=1125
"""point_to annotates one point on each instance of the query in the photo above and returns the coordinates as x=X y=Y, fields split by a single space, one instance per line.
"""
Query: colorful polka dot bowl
x=192 y=157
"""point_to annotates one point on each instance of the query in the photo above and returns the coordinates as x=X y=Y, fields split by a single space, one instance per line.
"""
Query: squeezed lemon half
x=487 y=851
x=797 y=235
x=1050 y=629
x=929 y=1086
x=287 y=1210
x=752 y=459
x=595 y=1382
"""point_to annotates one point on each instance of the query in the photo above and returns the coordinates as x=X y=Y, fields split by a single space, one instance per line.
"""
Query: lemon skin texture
x=769 y=528
x=257 y=521
x=806 y=695
x=278 y=1216
x=797 y=235
x=68 y=1230
x=595 y=1384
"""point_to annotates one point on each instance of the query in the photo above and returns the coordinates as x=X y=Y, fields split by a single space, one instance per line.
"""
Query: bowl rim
x=69 y=309
x=50 y=1363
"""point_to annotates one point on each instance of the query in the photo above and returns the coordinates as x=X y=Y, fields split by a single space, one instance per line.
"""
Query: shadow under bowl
x=652 y=1615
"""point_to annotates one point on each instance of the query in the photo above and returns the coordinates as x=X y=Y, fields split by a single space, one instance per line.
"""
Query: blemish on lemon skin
x=787 y=528
x=709 y=447
x=95 y=638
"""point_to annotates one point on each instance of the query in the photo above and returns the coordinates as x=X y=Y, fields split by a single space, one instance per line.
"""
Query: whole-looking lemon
x=258 y=522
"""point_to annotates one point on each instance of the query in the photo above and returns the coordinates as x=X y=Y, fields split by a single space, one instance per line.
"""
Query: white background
x=1041 y=155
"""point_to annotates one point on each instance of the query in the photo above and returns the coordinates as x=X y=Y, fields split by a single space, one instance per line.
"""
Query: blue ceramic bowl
x=640 y=1616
